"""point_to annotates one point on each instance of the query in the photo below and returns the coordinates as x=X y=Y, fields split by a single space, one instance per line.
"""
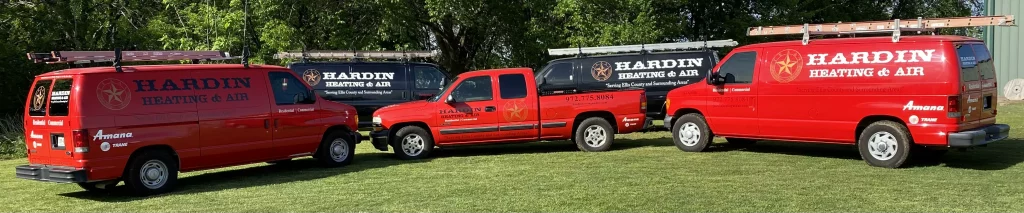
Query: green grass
x=643 y=173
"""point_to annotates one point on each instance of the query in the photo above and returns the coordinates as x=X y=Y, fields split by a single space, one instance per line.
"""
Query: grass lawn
x=643 y=173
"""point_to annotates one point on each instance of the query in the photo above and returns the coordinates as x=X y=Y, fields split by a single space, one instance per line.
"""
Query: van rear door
x=48 y=127
x=989 y=96
x=971 y=92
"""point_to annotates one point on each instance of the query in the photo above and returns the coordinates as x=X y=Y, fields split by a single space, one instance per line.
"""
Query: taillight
x=953 y=106
x=80 y=139
x=643 y=101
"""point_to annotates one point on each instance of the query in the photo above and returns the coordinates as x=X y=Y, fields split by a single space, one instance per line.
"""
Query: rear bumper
x=50 y=174
x=648 y=122
x=379 y=139
x=668 y=122
x=979 y=136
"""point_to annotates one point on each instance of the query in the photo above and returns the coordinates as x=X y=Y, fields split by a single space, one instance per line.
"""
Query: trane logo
x=910 y=106
x=101 y=136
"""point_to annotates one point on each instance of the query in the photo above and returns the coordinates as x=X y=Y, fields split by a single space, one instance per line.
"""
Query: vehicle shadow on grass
x=258 y=174
x=997 y=156
x=540 y=147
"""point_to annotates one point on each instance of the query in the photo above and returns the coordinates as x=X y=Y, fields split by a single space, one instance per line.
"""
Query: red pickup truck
x=506 y=105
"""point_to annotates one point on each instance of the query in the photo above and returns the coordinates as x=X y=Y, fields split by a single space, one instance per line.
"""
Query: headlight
x=376 y=120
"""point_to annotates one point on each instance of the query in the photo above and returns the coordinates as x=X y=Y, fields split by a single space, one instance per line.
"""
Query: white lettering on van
x=659 y=64
x=911 y=107
x=39 y=122
x=33 y=135
x=56 y=123
x=971 y=99
x=973 y=86
x=359 y=76
x=100 y=136
x=842 y=73
x=877 y=57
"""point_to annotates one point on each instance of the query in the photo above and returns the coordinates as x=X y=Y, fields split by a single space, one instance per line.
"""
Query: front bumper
x=50 y=174
x=379 y=139
x=668 y=122
x=979 y=136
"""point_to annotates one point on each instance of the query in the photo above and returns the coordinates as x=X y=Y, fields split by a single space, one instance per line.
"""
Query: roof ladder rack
x=117 y=56
x=345 y=54
x=642 y=47
x=895 y=27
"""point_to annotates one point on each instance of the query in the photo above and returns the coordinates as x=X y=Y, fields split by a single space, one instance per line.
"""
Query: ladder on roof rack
x=81 y=57
x=892 y=26
x=340 y=54
x=642 y=47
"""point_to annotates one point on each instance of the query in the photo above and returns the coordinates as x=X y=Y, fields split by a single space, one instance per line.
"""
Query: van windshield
x=447 y=86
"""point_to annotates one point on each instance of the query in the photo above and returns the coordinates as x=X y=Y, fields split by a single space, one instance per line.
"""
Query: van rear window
x=968 y=63
x=37 y=100
x=984 y=59
x=60 y=96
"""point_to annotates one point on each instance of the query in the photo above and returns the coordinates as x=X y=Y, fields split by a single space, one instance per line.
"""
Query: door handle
x=275 y=123
x=489 y=109
x=266 y=123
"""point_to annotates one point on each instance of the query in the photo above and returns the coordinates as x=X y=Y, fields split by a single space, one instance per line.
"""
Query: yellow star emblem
x=113 y=94
x=785 y=66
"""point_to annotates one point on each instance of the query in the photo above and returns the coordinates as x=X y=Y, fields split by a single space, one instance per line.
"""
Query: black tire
x=336 y=150
x=890 y=135
x=102 y=186
x=741 y=141
x=153 y=163
x=420 y=143
x=599 y=143
x=694 y=142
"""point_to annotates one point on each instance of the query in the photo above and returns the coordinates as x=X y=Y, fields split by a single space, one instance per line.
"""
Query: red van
x=922 y=93
x=143 y=124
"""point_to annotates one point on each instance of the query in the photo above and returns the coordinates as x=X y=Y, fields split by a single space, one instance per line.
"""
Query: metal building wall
x=1004 y=42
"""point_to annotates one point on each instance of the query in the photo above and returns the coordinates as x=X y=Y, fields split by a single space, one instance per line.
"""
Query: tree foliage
x=469 y=34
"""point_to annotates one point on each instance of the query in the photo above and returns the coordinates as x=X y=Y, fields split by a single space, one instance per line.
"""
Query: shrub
x=12 y=137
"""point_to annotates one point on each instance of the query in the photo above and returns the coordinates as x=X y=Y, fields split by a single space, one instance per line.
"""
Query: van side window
x=559 y=74
x=427 y=77
x=739 y=68
x=968 y=63
x=984 y=58
x=60 y=96
x=512 y=86
x=37 y=100
x=288 y=90
x=474 y=89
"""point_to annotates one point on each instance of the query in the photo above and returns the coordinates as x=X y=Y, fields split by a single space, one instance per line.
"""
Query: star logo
x=39 y=98
x=601 y=70
x=113 y=94
x=515 y=111
x=312 y=77
x=786 y=65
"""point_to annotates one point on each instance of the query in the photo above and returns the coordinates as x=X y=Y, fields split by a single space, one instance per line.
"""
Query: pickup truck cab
x=505 y=105
x=99 y=126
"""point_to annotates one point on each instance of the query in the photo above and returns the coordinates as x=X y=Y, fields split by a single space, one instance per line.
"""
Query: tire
x=412 y=142
x=884 y=144
x=102 y=186
x=594 y=135
x=336 y=150
x=740 y=141
x=691 y=133
x=152 y=172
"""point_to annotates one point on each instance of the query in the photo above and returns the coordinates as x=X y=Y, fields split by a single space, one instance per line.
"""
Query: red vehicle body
x=97 y=126
x=922 y=94
x=473 y=110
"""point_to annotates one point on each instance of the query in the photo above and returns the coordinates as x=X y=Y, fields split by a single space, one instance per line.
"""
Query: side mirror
x=449 y=99
x=541 y=81
x=717 y=79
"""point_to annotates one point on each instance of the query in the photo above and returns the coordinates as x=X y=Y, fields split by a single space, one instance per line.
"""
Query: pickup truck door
x=468 y=113
x=517 y=103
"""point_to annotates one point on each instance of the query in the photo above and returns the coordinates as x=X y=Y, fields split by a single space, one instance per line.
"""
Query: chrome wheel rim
x=413 y=144
x=339 y=150
x=882 y=145
x=595 y=136
x=689 y=134
x=153 y=174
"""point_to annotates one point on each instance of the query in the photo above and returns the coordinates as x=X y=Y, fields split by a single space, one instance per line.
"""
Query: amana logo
x=786 y=65
x=911 y=107
x=602 y=70
x=515 y=111
x=113 y=94
x=312 y=77
x=100 y=136
x=39 y=98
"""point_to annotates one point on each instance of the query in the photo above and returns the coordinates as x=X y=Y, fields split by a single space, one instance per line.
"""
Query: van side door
x=427 y=81
x=293 y=112
x=232 y=123
x=732 y=104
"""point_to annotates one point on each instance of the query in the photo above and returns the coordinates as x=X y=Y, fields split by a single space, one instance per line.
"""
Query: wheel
x=102 y=186
x=690 y=133
x=884 y=144
x=413 y=142
x=594 y=135
x=335 y=150
x=152 y=172
x=741 y=141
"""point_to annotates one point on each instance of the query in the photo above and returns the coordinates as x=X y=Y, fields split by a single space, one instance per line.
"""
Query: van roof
x=154 y=68
x=359 y=62
x=864 y=40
